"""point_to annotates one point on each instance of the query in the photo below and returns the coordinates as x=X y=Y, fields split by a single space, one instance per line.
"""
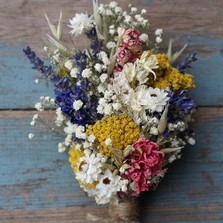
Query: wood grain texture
x=37 y=183
x=182 y=21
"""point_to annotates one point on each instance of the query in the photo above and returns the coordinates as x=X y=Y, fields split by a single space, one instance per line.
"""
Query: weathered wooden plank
x=38 y=180
x=17 y=86
x=181 y=21
x=18 y=89
x=194 y=214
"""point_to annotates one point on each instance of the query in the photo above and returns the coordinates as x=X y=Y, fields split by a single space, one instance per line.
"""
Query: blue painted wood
x=35 y=177
x=33 y=174
x=36 y=182
x=17 y=87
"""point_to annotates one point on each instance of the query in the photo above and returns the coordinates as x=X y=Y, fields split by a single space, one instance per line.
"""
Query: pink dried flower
x=145 y=162
x=131 y=34
x=124 y=55
x=134 y=45
x=132 y=41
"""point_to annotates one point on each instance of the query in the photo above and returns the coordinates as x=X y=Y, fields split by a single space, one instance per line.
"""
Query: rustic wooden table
x=36 y=182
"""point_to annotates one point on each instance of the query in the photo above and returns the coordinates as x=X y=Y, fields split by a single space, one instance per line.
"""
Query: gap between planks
x=202 y=113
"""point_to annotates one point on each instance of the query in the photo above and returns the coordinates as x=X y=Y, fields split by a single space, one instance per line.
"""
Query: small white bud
x=159 y=32
x=69 y=64
x=191 y=141
x=108 y=142
x=31 y=136
x=159 y=39
x=77 y=104
x=144 y=37
x=37 y=81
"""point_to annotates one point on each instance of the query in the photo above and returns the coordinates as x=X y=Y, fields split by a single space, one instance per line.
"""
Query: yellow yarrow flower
x=122 y=131
x=167 y=76
x=74 y=158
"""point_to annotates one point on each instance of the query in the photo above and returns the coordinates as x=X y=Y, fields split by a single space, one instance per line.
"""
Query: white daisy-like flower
x=153 y=99
x=90 y=167
x=108 y=185
x=80 y=24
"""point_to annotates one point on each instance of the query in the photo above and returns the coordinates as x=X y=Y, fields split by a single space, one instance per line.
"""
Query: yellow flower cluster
x=74 y=158
x=167 y=76
x=122 y=130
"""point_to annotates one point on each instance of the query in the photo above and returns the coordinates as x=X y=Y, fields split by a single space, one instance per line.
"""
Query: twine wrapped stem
x=121 y=211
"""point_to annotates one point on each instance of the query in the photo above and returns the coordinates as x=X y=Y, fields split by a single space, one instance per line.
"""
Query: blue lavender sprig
x=181 y=104
x=87 y=114
x=96 y=44
x=80 y=59
x=186 y=62
x=37 y=63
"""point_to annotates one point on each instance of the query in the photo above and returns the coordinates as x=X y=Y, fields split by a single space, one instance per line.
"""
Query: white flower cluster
x=34 y=119
x=61 y=118
x=159 y=33
x=138 y=99
x=109 y=103
x=113 y=17
x=108 y=186
x=45 y=102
